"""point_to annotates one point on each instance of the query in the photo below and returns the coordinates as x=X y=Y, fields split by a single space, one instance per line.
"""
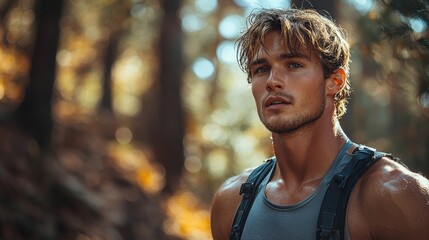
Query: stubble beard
x=299 y=121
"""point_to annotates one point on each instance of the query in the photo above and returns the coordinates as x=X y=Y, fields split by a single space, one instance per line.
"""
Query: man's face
x=289 y=89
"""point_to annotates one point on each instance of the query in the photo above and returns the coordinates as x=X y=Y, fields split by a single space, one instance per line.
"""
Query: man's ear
x=336 y=82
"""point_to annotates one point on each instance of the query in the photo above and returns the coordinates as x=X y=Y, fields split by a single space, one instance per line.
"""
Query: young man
x=297 y=63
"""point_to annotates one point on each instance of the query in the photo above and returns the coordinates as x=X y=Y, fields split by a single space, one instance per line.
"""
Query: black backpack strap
x=332 y=215
x=249 y=190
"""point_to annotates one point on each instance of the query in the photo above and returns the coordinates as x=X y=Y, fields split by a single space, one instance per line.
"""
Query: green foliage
x=389 y=110
x=390 y=26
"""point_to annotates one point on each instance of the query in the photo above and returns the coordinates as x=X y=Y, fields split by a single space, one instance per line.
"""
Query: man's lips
x=276 y=100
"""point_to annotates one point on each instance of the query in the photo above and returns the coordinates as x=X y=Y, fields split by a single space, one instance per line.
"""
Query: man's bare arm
x=396 y=203
x=224 y=206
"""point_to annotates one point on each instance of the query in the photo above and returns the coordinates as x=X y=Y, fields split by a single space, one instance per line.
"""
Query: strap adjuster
x=327 y=222
x=340 y=180
x=246 y=189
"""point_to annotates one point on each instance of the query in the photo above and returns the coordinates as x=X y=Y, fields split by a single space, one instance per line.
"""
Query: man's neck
x=307 y=154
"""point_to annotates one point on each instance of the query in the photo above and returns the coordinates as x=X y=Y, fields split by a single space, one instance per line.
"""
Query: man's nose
x=275 y=80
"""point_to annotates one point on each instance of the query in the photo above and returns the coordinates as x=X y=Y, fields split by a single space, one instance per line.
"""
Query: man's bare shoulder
x=229 y=191
x=225 y=203
x=388 y=178
x=233 y=183
x=394 y=201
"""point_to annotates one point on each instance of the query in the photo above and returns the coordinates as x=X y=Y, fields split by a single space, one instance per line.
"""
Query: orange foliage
x=187 y=218
x=13 y=72
x=137 y=166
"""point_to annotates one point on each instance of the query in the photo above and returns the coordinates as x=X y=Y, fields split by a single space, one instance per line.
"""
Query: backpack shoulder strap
x=331 y=221
x=249 y=190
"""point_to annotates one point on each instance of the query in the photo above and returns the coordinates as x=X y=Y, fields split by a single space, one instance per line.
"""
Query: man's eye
x=294 y=65
x=261 y=70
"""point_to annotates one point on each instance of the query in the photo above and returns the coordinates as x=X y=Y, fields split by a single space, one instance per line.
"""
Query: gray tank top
x=268 y=221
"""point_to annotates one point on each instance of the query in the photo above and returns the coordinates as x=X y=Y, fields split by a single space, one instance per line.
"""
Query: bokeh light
x=206 y=6
x=203 y=68
x=418 y=25
x=362 y=6
x=225 y=52
x=123 y=135
x=231 y=26
x=192 y=23
x=263 y=3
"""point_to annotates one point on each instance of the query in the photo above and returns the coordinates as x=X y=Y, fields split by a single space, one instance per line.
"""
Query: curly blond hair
x=299 y=27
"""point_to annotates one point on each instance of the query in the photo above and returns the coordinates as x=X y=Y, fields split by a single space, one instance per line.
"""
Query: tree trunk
x=109 y=59
x=34 y=113
x=4 y=10
x=168 y=133
x=116 y=17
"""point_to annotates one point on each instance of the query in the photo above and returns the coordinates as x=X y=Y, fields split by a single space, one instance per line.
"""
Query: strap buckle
x=327 y=222
x=246 y=189
x=340 y=180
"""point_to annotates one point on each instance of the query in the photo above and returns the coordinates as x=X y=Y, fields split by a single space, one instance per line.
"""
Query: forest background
x=120 y=119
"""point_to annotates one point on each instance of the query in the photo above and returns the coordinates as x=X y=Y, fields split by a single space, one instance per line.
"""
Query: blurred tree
x=115 y=18
x=168 y=132
x=393 y=47
x=4 y=9
x=109 y=59
x=34 y=113
x=406 y=26
x=329 y=6
x=75 y=189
